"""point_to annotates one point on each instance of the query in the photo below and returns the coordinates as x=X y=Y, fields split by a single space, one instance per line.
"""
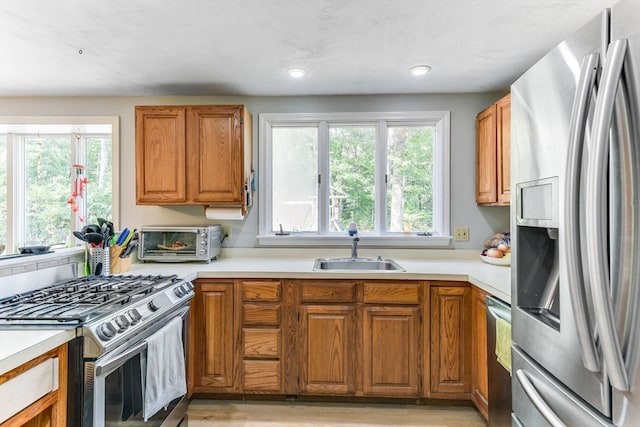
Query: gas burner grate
x=76 y=299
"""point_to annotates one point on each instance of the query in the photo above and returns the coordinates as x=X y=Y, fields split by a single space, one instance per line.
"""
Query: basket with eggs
x=497 y=249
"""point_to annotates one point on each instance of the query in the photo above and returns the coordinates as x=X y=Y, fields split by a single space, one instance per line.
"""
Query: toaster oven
x=180 y=243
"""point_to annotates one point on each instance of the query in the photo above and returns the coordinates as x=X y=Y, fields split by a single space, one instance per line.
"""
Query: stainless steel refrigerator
x=575 y=229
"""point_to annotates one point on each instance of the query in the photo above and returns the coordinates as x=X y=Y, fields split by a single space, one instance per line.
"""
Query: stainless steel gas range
x=117 y=317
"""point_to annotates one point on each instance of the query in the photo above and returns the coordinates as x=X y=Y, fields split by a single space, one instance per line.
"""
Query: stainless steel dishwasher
x=498 y=377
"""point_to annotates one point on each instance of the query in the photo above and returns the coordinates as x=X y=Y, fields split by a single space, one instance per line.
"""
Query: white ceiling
x=243 y=47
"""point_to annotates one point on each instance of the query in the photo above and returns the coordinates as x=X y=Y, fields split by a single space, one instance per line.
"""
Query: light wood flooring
x=218 y=413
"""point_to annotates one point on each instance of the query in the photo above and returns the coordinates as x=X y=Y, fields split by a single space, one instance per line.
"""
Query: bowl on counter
x=505 y=260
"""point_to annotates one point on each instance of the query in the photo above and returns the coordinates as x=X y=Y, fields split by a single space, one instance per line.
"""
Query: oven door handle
x=105 y=367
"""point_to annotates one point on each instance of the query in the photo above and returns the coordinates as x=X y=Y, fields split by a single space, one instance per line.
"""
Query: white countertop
x=18 y=347
x=298 y=264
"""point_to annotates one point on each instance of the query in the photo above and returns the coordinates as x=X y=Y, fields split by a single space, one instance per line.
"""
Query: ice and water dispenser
x=537 y=253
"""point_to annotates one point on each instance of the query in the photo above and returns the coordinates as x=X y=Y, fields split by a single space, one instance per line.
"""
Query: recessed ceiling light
x=419 y=70
x=296 y=73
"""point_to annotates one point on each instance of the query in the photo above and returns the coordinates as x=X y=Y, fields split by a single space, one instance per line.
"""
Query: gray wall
x=481 y=221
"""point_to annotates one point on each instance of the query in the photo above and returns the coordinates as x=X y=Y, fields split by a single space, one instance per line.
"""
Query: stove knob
x=106 y=331
x=178 y=291
x=122 y=323
x=152 y=306
x=134 y=315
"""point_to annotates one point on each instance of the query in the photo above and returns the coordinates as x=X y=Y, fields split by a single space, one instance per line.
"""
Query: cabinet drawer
x=392 y=293
x=22 y=390
x=261 y=375
x=327 y=292
x=261 y=291
x=261 y=342
x=261 y=314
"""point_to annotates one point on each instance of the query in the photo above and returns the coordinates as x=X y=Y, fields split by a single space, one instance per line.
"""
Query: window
x=57 y=175
x=386 y=172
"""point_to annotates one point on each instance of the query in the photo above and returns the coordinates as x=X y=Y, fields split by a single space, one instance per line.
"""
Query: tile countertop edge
x=20 y=346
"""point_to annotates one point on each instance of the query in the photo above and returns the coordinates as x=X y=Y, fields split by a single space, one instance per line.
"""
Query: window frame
x=14 y=222
x=440 y=237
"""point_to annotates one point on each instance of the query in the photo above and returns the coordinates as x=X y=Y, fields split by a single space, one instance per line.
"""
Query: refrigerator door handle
x=537 y=400
x=576 y=282
x=596 y=217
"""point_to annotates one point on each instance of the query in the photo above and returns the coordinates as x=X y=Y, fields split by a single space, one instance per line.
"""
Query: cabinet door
x=327 y=348
x=212 y=350
x=391 y=351
x=215 y=155
x=160 y=155
x=479 y=377
x=451 y=342
x=503 y=141
x=486 y=157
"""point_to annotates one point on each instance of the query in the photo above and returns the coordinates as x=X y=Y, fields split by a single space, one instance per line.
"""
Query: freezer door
x=552 y=322
x=624 y=227
x=539 y=400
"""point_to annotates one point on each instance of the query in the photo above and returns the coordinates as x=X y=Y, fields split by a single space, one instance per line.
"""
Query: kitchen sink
x=355 y=264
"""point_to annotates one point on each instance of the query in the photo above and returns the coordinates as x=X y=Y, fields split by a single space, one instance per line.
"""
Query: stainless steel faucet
x=353 y=231
x=354 y=246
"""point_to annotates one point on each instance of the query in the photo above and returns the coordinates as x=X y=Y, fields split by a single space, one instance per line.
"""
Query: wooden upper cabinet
x=160 y=155
x=493 y=136
x=193 y=155
x=503 y=140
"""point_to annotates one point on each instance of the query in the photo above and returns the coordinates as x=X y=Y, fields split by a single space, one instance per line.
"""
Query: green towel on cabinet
x=503 y=343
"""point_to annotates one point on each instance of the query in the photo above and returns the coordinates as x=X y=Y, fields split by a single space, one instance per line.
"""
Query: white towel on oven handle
x=164 y=377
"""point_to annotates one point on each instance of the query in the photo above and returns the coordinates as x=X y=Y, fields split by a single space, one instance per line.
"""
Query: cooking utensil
x=98 y=269
x=122 y=237
x=37 y=249
x=80 y=236
x=91 y=228
x=129 y=237
x=95 y=238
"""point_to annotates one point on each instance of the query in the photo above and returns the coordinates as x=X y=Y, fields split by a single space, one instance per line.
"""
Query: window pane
x=410 y=178
x=295 y=179
x=352 y=151
x=99 y=175
x=47 y=189
x=3 y=191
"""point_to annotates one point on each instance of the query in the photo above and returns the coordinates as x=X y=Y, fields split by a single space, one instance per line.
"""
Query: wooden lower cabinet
x=358 y=338
x=326 y=349
x=49 y=407
x=212 y=347
x=260 y=304
x=479 y=375
x=450 y=332
x=391 y=349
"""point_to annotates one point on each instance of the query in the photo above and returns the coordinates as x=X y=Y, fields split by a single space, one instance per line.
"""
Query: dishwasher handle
x=498 y=309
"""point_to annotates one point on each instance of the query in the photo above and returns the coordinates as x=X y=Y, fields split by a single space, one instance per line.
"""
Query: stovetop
x=108 y=311
x=80 y=300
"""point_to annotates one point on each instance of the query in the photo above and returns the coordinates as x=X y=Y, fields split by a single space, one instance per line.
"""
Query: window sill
x=398 y=241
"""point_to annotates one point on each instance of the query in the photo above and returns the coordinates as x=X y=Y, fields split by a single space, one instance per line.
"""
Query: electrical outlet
x=461 y=234
x=226 y=230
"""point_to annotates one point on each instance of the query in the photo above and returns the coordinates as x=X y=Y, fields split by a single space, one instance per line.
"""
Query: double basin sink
x=356 y=264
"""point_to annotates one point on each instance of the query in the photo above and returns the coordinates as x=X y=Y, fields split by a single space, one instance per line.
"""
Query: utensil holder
x=99 y=256
x=119 y=265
